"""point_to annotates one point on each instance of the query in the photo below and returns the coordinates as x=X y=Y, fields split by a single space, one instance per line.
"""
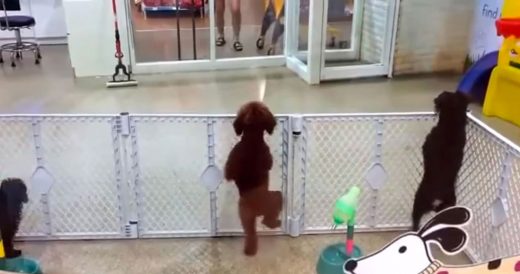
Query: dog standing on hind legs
x=443 y=152
x=13 y=194
x=248 y=166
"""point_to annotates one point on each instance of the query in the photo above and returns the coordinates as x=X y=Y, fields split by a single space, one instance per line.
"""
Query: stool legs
x=16 y=49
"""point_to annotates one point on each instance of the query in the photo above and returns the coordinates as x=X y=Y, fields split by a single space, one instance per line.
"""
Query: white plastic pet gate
x=131 y=176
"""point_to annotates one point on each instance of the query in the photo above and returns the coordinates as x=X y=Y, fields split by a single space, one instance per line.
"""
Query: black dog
x=13 y=194
x=443 y=152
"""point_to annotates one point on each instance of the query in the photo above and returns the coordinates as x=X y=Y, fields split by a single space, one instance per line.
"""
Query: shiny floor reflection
x=278 y=254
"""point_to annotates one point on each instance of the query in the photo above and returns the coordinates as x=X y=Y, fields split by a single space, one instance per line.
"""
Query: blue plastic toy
x=18 y=265
x=475 y=82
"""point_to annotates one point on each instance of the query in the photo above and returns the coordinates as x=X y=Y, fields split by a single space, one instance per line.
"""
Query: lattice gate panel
x=478 y=184
x=170 y=154
x=338 y=152
x=506 y=238
x=403 y=137
x=227 y=194
x=79 y=154
x=16 y=147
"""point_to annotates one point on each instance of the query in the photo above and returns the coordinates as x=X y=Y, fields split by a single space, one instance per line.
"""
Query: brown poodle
x=248 y=165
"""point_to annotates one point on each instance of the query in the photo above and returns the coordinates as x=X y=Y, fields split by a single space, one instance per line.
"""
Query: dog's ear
x=451 y=216
x=451 y=239
x=442 y=99
x=238 y=125
x=14 y=190
x=463 y=100
x=445 y=229
x=270 y=122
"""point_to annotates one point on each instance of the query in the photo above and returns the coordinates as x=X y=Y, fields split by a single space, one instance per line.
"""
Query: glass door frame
x=213 y=63
x=314 y=70
x=353 y=51
x=295 y=58
x=366 y=70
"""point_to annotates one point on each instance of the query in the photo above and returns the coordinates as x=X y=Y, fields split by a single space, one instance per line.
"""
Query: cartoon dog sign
x=411 y=254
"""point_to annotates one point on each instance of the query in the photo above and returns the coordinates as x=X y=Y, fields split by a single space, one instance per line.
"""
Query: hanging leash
x=121 y=71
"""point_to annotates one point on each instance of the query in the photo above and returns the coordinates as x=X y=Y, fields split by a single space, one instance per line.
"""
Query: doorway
x=319 y=40
x=191 y=35
x=355 y=43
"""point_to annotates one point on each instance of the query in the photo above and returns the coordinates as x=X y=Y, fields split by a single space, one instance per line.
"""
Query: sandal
x=220 y=41
x=238 y=46
x=260 y=43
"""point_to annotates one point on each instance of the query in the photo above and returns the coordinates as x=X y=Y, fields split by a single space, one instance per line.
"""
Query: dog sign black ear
x=451 y=239
x=445 y=229
x=451 y=216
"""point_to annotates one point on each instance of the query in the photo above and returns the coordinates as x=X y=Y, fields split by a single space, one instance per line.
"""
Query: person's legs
x=279 y=27
x=269 y=17
x=237 y=22
x=220 y=7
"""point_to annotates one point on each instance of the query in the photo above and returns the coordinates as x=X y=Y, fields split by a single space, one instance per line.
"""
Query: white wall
x=90 y=24
x=375 y=13
x=50 y=20
x=433 y=35
x=484 y=33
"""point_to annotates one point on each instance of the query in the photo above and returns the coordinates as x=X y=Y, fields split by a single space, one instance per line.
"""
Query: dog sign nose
x=350 y=265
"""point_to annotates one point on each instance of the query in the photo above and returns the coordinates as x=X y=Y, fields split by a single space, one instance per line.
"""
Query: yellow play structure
x=503 y=93
x=2 y=252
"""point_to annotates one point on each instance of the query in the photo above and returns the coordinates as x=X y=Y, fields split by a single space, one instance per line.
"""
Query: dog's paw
x=272 y=224
x=13 y=254
x=251 y=246
x=250 y=251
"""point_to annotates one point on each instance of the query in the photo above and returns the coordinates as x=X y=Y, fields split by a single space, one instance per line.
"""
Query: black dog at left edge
x=443 y=152
x=13 y=194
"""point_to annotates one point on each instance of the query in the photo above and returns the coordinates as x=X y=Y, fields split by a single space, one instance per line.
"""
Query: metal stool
x=16 y=23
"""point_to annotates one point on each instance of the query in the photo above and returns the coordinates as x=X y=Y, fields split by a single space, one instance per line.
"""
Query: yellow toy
x=2 y=252
x=503 y=93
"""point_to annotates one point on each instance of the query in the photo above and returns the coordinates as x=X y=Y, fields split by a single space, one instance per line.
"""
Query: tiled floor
x=280 y=254
x=51 y=89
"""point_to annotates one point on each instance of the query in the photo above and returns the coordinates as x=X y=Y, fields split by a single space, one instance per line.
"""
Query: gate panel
x=171 y=154
x=403 y=137
x=337 y=154
x=507 y=236
x=16 y=147
x=79 y=154
x=478 y=183
x=227 y=194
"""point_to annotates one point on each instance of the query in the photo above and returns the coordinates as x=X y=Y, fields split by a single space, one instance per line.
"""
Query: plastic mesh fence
x=508 y=235
x=403 y=138
x=17 y=147
x=505 y=238
x=172 y=154
x=338 y=153
x=167 y=155
x=78 y=153
x=478 y=184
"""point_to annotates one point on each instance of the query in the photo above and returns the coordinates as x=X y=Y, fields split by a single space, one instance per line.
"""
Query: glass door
x=191 y=35
x=304 y=38
x=368 y=26
x=340 y=39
